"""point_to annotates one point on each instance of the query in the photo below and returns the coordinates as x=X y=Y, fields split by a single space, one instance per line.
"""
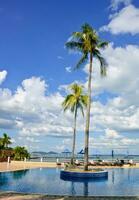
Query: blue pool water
x=47 y=180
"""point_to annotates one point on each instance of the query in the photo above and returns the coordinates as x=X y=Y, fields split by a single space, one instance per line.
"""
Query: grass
x=77 y=169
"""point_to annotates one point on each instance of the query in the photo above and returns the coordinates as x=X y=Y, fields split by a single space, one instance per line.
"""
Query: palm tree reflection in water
x=85 y=188
x=3 y=179
x=129 y=174
x=113 y=176
x=73 y=192
x=84 y=182
x=85 y=185
x=19 y=174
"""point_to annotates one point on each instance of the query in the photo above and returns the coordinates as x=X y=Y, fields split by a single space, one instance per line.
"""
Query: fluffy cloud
x=122 y=74
x=31 y=112
x=116 y=3
x=65 y=144
x=114 y=141
x=124 y=21
x=3 y=75
x=112 y=134
x=109 y=116
x=120 y=113
x=68 y=69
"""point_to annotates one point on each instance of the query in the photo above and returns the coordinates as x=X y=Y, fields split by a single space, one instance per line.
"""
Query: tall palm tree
x=74 y=101
x=6 y=140
x=89 y=44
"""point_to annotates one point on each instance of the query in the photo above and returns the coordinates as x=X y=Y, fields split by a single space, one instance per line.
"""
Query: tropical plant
x=89 y=44
x=1 y=143
x=75 y=101
x=20 y=153
x=5 y=140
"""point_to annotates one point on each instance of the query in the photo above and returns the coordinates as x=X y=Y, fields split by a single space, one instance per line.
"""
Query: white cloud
x=13 y=141
x=32 y=140
x=60 y=58
x=105 y=117
x=116 y=3
x=124 y=21
x=3 y=75
x=121 y=112
x=122 y=74
x=68 y=69
x=31 y=112
x=112 y=134
x=65 y=144
x=105 y=143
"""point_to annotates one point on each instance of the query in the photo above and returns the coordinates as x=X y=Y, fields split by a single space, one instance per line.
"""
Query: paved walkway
x=14 y=196
x=20 y=165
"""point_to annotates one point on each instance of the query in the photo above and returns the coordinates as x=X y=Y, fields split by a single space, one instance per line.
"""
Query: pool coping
x=37 y=196
x=62 y=168
x=21 y=165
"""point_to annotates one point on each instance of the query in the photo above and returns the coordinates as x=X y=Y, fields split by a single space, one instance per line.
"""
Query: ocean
x=66 y=157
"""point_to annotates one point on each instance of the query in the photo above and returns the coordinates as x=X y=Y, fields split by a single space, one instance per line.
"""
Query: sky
x=36 y=69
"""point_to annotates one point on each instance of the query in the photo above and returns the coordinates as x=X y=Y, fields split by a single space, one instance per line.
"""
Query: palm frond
x=86 y=28
x=80 y=106
x=87 y=41
x=72 y=108
x=77 y=90
x=102 y=45
x=82 y=60
x=103 y=64
x=68 y=102
x=76 y=99
x=77 y=36
x=73 y=45
x=84 y=99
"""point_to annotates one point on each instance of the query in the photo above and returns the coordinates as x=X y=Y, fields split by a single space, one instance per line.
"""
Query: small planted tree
x=88 y=43
x=73 y=102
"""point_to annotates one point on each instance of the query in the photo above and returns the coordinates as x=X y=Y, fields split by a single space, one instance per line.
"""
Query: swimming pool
x=47 y=180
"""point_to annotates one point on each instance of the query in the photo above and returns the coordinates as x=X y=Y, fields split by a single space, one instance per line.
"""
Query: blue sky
x=37 y=65
x=34 y=34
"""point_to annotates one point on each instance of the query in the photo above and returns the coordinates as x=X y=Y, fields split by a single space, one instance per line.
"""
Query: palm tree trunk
x=86 y=152
x=74 y=137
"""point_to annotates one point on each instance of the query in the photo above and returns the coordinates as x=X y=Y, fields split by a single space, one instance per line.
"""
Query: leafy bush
x=20 y=153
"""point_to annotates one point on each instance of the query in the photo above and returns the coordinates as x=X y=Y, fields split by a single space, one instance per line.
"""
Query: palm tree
x=74 y=101
x=89 y=44
x=6 y=140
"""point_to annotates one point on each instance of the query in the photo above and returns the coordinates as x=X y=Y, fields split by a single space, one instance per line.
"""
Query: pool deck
x=20 y=165
x=19 y=196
